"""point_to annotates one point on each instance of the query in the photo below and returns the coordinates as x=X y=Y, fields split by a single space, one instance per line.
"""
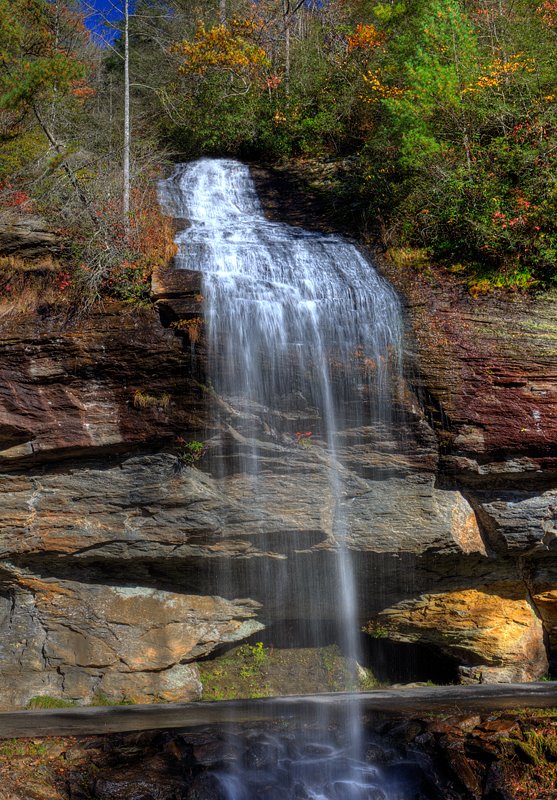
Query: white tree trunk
x=222 y=14
x=287 y=22
x=127 y=134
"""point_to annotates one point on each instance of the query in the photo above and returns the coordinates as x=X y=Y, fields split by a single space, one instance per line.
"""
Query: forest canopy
x=439 y=117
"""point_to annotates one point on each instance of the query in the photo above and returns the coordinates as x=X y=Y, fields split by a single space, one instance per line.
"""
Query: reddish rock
x=489 y=366
x=70 y=387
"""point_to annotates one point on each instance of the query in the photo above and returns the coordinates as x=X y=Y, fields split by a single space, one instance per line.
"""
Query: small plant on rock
x=102 y=699
x=255 y=659
x=303 y=438
x=145 y=400
x=190 y=452
x=193 y=327
x=376 y=630
x=47 y=701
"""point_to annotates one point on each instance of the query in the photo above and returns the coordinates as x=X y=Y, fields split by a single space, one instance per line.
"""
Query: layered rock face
x=78 y=398
x=113 y=545
x=486 y=369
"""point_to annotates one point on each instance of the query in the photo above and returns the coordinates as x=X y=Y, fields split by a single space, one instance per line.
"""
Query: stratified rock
x=518 y=520
x=546 y=603
x=26 y=236
x=540 y=574
x=156 y=507
x=78 y=640
x=489 y=367
x=120 y=564
x=492 y=629
x=101 y=382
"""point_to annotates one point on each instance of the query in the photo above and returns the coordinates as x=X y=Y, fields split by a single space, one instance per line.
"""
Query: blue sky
x=106 y=10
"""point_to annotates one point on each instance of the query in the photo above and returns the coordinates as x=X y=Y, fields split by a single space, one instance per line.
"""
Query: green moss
x=339 y=674
x=528 y=751
x=534 y=713
x=24 y=748
x=414 y=258
x=259 y=671
x=241 y=672
x=485 y=280
x=46 y=701
x=367 y=680
x=101 y=699
x=376 y=630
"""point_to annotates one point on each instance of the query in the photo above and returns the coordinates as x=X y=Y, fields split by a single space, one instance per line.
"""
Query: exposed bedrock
x=104 y=382
x=27 y=236
x=489 y=368
x=121 y=564
x=80 y=640
x=116 y=578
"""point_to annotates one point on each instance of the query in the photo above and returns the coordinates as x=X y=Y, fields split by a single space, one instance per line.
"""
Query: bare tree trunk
x=222 y=12
x=56 y=42
x=287 y=21
x=66 y=167
x=289 y=9
x=127 y=135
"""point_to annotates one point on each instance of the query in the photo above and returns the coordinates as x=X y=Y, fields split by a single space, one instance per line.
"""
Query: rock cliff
x=486 y=369
x=113 y=544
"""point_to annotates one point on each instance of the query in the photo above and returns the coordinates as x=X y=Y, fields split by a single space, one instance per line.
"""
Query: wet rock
x=407 y=730
x=377 y=753
x=299 y=792
x=496 y=726
x=261 y=755
x=464 y=770
x=206 y=787
x=467 y=724
x=129 y=786
x=495 y=784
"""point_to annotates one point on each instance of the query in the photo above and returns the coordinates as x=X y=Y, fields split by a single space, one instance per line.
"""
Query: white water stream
x=294 y=320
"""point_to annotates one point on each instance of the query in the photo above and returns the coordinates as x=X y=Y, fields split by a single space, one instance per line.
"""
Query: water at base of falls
x=280 y=767
x=303 y=339
x=294 y=763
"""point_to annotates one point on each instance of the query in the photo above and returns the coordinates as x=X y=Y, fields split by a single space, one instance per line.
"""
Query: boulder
x=492 y=628
x=78 y=640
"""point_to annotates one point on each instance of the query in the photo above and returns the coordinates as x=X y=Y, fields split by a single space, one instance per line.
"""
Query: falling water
x=303 y=339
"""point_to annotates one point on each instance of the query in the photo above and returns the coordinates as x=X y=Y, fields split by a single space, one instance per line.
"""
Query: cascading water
x=303 y=340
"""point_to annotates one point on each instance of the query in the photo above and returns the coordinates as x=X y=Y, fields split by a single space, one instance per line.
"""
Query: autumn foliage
x=430 y=124
x=364 y=39
x=229 y=47
x=120 y=261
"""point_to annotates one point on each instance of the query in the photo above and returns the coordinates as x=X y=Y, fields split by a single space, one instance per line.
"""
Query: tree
x=39 y=67
x=127 y=128
x=36 y=61
x=122 y=7
x=289 y=9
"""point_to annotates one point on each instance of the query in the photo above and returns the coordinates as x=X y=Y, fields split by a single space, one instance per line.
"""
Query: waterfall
x=303 y=339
